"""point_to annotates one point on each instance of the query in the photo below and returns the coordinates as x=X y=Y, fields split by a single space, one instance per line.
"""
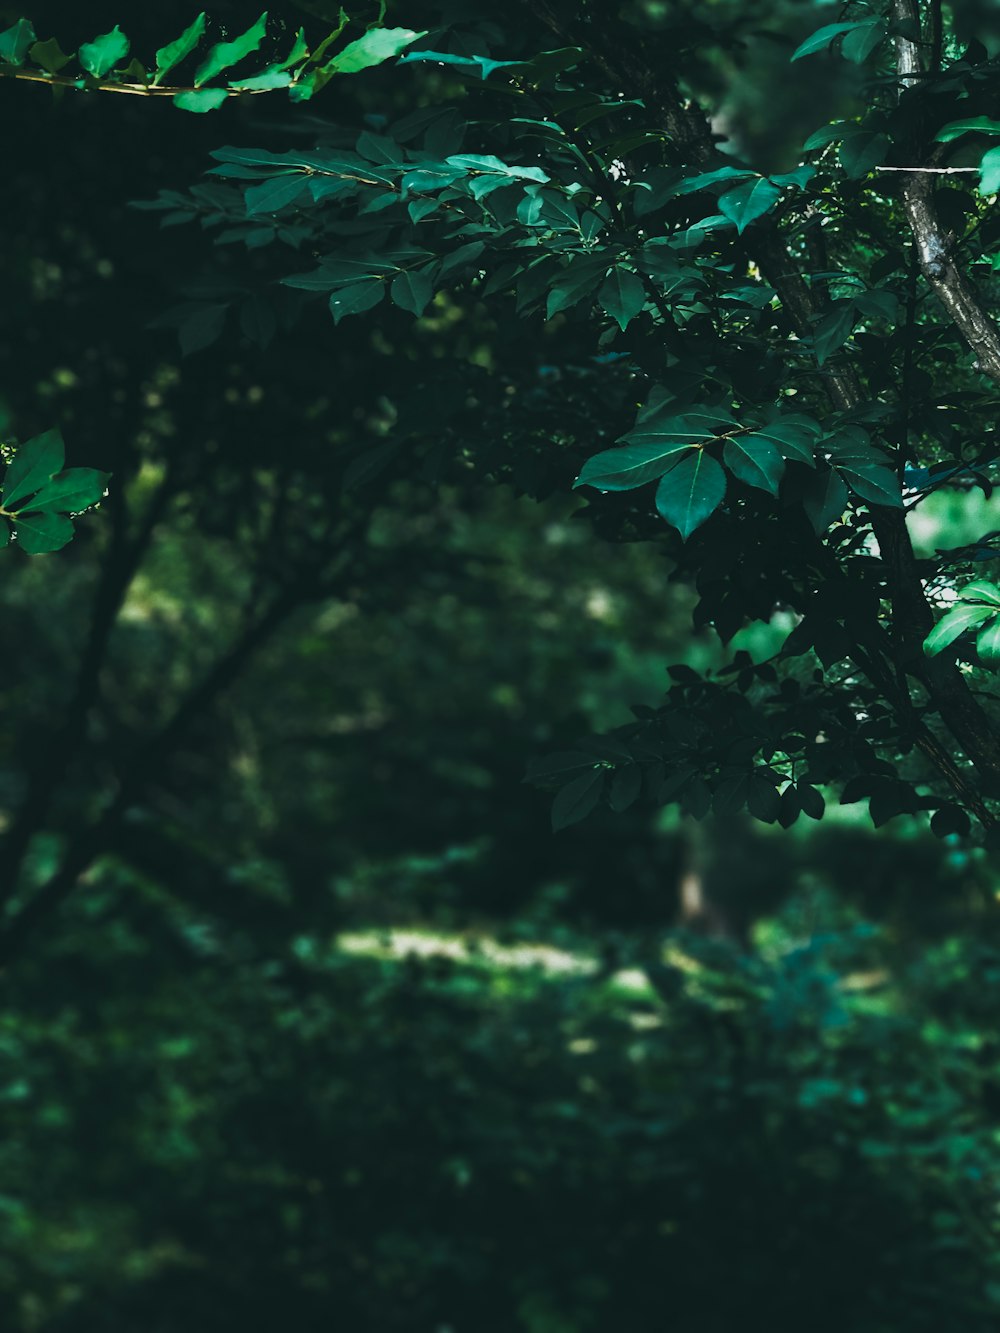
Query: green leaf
x=988 y=641
x=201 y=99
x=38 y=533
x=299 y=51
x=824 y=499
x=174 y=52
x=960 y=618
x=972 y=125
x=691 y=492
x=748 y=202
x=989 y=172
x=412 y=290
x=49 y=55
x=622 y=295
x=104 y=52
x=376 y=46
x=4 y=534
x=756 y=461
x=862 y=151
x=224 y=54
x=14 y=43
x=981 y=590
x=276 y=193
x=272 y=77
x=822 y=37
x=356 y=298
x=633 y=465
x=35 y=463
x=73 y=491
x=576 y=800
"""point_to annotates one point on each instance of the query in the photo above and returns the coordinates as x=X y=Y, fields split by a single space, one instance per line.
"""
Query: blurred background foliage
x=335 y=1033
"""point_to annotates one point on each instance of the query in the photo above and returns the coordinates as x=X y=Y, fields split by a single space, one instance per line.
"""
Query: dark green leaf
x=412 y=290
x=201 y=328
x=731 y=795
x=811 y=800
x=706 y=178
x=822 y=37
x=794 y=437
x=827 y=134
x=763 y=800
x=858 y=45
x=889 y=801
x=576 y=800
x=71 y=492
x=630 y=466
x=577 y=280
x=276 y=193
x=622 y=295
x=754 y=460
x=790 y=807
x=877 y=485
x=691 y=492
x=862 y=151
x=696 y=798
x=49 y=55
x=748 y=202
x=824 y=500
x=833 y=330
x=38 y=533
x=950 y=819
x=355 y=299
